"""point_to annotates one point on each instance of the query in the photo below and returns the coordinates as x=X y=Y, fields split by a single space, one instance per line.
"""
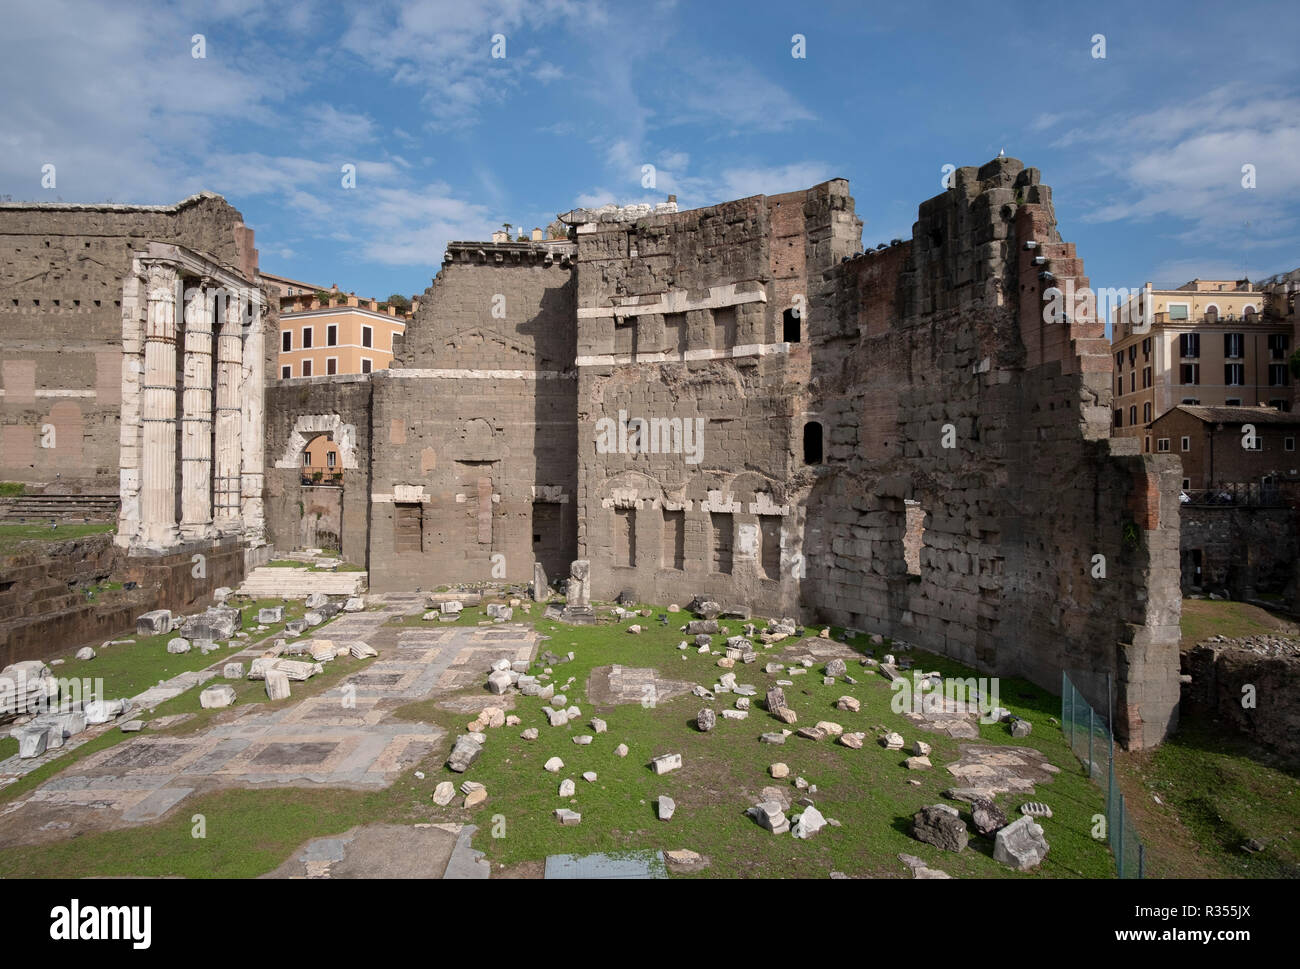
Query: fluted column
x=196 y=422
x=254 y=421
x=230 y=386
x=158 y=480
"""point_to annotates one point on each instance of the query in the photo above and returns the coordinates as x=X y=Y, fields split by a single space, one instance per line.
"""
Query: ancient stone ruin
x=731 y=403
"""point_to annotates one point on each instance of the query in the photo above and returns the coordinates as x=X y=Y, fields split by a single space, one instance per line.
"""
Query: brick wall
x=61 y=273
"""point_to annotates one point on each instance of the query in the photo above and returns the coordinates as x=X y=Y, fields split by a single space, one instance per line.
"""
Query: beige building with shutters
x=1206 y=343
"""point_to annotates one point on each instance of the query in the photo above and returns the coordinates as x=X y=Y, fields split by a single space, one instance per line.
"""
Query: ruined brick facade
x=802 y=403
x=62 y=269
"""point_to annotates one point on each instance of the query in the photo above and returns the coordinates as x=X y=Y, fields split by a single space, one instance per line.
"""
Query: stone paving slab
x=344 y=737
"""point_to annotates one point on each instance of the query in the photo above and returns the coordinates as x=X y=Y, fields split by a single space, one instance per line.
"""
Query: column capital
x=160 y=281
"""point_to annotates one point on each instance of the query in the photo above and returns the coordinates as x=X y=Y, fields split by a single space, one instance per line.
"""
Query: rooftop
x=1214 y=414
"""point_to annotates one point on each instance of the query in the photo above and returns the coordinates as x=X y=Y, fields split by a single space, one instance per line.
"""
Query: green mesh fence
x=1093 y=743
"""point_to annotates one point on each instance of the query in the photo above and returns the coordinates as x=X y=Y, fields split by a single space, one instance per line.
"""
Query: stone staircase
x=298 y=583
x=59 y=507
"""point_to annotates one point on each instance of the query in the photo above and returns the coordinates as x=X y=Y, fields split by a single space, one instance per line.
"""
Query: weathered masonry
x=735 y=402
x=132 y=362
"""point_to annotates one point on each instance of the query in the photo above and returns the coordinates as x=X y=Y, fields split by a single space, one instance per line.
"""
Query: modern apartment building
x=338 y=335
x=1206 y=343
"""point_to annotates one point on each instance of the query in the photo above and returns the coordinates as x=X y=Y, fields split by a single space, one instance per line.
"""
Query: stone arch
x=312 y=425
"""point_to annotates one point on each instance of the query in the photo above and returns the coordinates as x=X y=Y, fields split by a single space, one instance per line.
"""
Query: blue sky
x=1143 y=149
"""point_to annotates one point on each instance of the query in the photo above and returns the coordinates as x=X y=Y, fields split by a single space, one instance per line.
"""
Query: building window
x=1277 y=375
x=1162 y=444
x=1190 y=373
x=812 y=443
x=1132 y=354
x=1187 y=483
x=1146 y=377
x=365 y=365
x=1232 y=402
x=331 y=457
x=1189 y=345
x=306 y=337
x=1280 y=403
x=331 y=365
x=332 y=335
x=1234 y=346
x=1146 y=349
x=1119 y=417
x=790 y=326
x=286 y=341
x=1119 y=360
x=1146 y=413
x=1288 y=443
x=1132 y=381
x=1186 y=443
x=1177 y=311
x=1132 y=415
x=306 y=458
x=286 y=371
x=1278 y=344
x=1194 y=401
x=367 y=336
x=1234 y=374
x=1146 y=444
x=306 y=368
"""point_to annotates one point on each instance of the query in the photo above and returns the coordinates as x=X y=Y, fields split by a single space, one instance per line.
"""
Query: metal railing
x=1093 y=743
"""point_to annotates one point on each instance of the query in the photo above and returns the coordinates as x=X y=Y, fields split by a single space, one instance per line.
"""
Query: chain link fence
x=1093 y=743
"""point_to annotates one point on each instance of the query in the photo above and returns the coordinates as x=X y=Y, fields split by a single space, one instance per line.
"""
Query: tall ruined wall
x=934 y=366
x=297 y=411
x=681 y=327
x=61 y=273
x=474 y=425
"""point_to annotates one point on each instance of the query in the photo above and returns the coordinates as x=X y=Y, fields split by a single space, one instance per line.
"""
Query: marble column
x=196 y=422
x=158 y=478
x=135 y=305
x=254 y=420
x=230 y=393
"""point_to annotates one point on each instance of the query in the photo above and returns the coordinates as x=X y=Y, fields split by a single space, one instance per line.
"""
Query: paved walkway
x=344 y=737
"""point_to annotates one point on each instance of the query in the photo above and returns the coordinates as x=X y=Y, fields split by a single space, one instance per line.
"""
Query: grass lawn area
x=130 y=668
x=1216 y=792
x=724 y=771
x=1216 y=789
x=1203 y=618
x=12 y=535
x=11 y=489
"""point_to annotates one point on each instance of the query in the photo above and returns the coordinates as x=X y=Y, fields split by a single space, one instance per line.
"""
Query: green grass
x=11 y=489
x=130 y=668
x=248 y=832
x=724 y=771
x=1217 y=791
x=13 y=535
x=1203 y=618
